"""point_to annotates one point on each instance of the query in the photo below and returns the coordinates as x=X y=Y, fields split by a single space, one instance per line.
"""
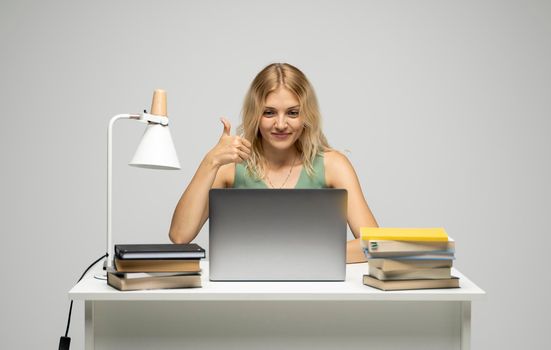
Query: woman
x=281 y=146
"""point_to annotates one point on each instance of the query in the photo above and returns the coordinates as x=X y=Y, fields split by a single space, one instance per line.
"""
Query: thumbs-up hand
x=230 y=149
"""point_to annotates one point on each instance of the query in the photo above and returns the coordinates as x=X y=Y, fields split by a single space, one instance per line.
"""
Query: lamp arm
x=145 y=118
x=110 y=255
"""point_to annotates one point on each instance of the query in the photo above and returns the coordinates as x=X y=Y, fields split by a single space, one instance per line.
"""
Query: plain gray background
x=443 y=108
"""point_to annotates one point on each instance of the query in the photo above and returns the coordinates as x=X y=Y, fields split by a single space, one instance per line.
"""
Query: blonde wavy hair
x=312 y=141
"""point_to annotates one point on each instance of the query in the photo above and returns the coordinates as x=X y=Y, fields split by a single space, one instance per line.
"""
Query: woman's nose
x=281 y=122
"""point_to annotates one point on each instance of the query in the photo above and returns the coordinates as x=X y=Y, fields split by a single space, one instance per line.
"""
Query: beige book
x=150 y=265
x=391 y=265
x=125 y=283
x=395 y=248
x=436 y=273
x=410 y=284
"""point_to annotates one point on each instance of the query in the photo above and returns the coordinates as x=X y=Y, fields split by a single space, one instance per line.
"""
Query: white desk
x=277 y=315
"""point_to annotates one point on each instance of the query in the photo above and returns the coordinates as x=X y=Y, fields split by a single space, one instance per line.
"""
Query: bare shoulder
x=225 y=176
x=337 y=168
x=335 y=158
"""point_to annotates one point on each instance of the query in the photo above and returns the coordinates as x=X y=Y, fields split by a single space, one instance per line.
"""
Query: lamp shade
x=156 y=149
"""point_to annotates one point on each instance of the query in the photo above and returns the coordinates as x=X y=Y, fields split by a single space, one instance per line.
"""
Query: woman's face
x=281 y=124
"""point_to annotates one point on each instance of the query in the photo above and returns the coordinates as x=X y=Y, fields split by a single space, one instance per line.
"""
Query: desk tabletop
x=91 y=289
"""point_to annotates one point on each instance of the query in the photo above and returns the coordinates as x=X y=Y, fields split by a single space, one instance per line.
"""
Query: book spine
x=424 y=256
x=391 y=265
x=403 y=247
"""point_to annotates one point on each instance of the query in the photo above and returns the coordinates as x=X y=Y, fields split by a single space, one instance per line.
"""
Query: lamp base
x=102 y=275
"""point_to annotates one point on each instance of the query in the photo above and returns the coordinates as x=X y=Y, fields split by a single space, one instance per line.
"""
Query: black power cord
x=65 y=341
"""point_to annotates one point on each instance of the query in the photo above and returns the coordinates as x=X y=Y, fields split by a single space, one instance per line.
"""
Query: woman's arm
x=339 y=173
x=215 y=171
x=192 y=209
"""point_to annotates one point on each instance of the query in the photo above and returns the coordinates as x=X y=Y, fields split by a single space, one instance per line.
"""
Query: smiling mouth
x=279 y=136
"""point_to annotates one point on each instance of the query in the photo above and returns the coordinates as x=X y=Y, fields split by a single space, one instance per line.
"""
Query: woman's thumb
x=227 y=126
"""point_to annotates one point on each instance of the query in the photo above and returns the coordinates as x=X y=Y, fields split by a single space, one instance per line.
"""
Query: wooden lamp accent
x=158 y=105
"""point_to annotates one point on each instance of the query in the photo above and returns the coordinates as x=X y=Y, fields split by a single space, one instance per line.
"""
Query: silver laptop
x=277 y=235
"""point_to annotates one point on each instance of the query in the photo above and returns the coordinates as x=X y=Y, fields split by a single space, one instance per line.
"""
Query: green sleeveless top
x=243 y=180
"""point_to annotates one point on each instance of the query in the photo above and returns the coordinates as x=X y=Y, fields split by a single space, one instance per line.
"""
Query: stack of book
x=408 y=258
x=156 y=266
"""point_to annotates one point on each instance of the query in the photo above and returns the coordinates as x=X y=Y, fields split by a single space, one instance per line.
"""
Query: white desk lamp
x=155 y=151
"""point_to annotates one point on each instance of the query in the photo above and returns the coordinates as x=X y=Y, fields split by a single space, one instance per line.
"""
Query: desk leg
x=465 y=325
x=89 y=325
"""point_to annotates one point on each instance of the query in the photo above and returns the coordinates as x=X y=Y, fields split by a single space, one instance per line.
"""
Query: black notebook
x=159 y=251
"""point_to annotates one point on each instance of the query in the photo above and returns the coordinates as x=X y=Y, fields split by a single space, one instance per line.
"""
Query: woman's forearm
x=354 y=252
x=192 y=209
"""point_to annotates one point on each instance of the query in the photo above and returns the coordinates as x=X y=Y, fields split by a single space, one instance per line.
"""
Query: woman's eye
x=269 y=113
x=293 y=114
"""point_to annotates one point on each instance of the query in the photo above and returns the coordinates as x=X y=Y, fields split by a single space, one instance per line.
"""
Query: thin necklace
x=284 y=182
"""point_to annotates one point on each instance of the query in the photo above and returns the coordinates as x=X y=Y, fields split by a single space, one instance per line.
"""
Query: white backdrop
x=443 y=107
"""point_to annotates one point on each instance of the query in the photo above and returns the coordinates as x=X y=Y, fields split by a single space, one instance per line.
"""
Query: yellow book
x=435 y=234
